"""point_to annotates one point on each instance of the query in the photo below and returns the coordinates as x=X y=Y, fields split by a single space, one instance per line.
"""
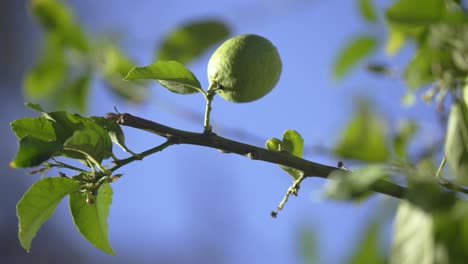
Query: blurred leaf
x=91 y=219
x=409 y=12
x=405 y=133
x=33 y=151
x=36 y=107
x=46 y=76
x=395 y=40
x=456 y=144
x=38 y=204
x=170 y=74
x=367 y=250
x=75 y=95
x=419 y=71
x=308 y=246
x=367 y=9
x=413 y=239
x=191 y=40
x=355 y=50
x=114 y=68
x=364 y=138
x=353 y=185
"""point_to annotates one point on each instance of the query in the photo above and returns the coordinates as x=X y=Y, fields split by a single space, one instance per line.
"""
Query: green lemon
x=245 y=67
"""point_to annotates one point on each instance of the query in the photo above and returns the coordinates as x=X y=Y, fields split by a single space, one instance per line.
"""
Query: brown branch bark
x=211 y=140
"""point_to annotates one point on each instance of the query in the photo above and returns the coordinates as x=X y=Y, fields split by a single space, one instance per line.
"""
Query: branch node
x=254 y=155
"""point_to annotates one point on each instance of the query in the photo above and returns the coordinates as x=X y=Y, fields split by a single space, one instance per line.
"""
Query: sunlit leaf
x=354 y=51
x=292 y=143
x=170 y=74
x=419 y=71
x=37 y=127
x=456 y=144
x=364 y=138
x=395 y=40
x=413 y=239
x=353 y=185
x=91 y=219
x=367 y=9
x=33 y=151
x=38 y=204
x=191 y=40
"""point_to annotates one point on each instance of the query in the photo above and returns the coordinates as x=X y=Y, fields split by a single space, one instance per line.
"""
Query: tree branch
x=211 y=140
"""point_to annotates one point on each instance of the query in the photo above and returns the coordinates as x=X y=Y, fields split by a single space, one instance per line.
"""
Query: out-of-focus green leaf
x=308 y=246
x=413 y=239
x=419 y=71
x=456 y=144
x=405 y=132
x=33 y=151
x=91 y=219
x=46 y=76
x=191 y=40
x=75 y=95
x=368 y=248
x=38 y=204
x=353 y=185
x=409 y=12
x=170 y=74
x=36 y=107
x=395 y=40
x=355 y=50
x=364 y=138
x=114 y=68
x=367 y=10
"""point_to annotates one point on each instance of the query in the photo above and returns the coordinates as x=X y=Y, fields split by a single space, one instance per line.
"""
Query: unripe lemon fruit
x=246 y=68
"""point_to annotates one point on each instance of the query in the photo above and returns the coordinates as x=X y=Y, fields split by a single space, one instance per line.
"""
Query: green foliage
x=368 y=250
x=38 y=204
x=293 y=144
x=355 y=50
x=91 y=217
x=353 y=185
x=367 y=10
x=170 y=74
x=190 y=40
x=405 y=133
x=364 y=138
x=456 y=144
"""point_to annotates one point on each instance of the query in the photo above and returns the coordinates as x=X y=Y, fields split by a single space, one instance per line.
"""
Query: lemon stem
x=210 y=93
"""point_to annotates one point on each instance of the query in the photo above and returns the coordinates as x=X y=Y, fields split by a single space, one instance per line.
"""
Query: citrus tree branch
x=211 y=140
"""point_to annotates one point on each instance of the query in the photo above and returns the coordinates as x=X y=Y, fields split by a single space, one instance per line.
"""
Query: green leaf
x=355 y=50
x=274 y=144
x=364 y=138
x=38 y=204
x=409 y=12
x=33 y=151
x=46 y=76
x=293 y=142
x=308 y=246
x=419 y=71
x=91 y=219
x=395 y=40
x=170 y=74
x=353 y=185
x=191 y=40
x=115 y=67
x=91 y=141
x=368 y=248
x=75 y=95
x=413 y=239
x=456 y=143
x=367 y=9
x=113 y=129
x=405 y=133
x=37 y=127
x=36 y=107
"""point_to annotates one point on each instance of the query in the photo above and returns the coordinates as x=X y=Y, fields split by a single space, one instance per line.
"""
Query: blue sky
x=189 y=203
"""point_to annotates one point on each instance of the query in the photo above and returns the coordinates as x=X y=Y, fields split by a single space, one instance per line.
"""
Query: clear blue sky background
x=189 y=204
